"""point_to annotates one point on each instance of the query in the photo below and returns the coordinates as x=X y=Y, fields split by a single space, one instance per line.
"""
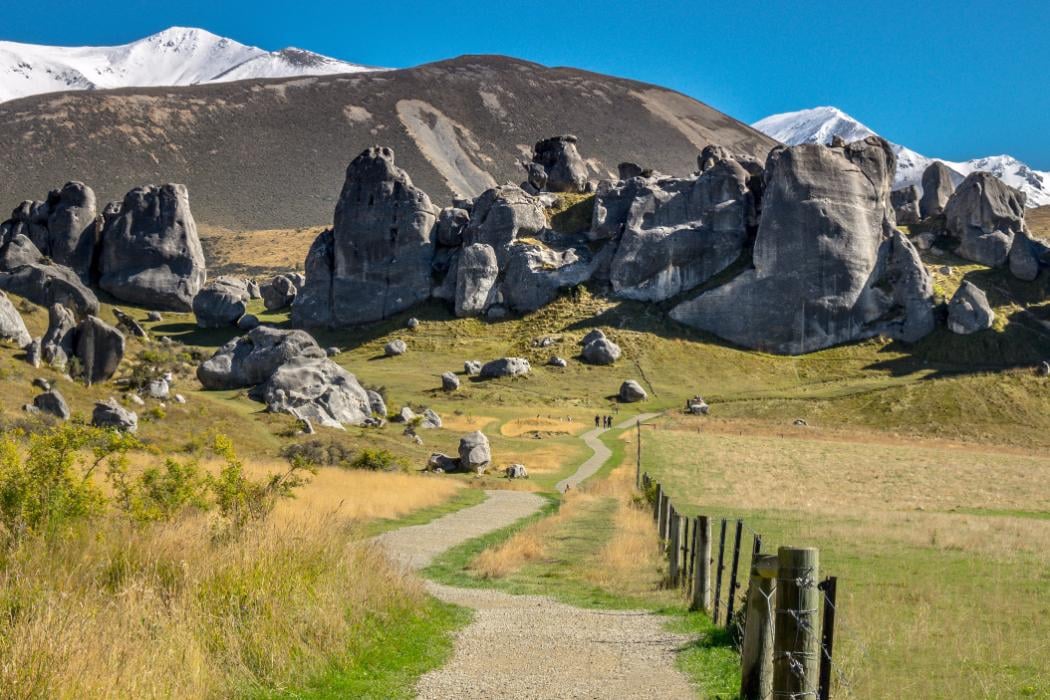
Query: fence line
x=784 y=627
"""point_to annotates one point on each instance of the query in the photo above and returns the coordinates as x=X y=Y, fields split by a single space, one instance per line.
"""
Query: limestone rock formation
x=45 y=284
x=556 y=361
x=1024 y=258
x=502 y=215
x=969 y=310
x=449 y=381
x=451 y=223
x=535 y=273
x=680 y=233
x=472 y=368
x=278 y=293
x=59 y=342
x=395 y=348
x=18 y=251
x=506 y=367
x=110 y=414
x=376 y=403
x=476 y=276
x=254 y=357
x=12 y=327
x=62 y=228
x=591 y=336
x=376 y=260
x=601 y=351
x=632 y=392
x=221 y=303
x=937 y=188
x=905 y=202
x=52 y=403
x=475 y=454
x=150 y=252
x=316 y=389
x=99 y=348
x=984 y=214
x=563 y=170
x=828 y=266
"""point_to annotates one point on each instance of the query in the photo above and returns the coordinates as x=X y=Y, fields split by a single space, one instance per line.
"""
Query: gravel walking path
x=532 y=646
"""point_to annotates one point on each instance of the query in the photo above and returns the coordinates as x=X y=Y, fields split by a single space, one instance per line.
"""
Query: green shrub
x=377 y=460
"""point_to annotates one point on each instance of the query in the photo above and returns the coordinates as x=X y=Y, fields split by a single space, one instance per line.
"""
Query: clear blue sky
x=950 y=79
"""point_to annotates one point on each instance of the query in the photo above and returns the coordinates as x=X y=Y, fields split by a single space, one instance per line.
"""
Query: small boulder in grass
x=472 y=368
x=632 y=392
x=516 y=471
x=449 y=381
x=412 y=324
x=395 y=348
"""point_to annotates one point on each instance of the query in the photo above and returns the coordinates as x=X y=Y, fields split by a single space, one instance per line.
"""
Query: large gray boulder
x=110 y=414
x=969 y=310
x=829 y=267
x=376 y=261
x=535 y=273
x=505 y=367
x=52 y=403
x=562 y=165
x=502 y=215
x=905 y=202
x=59 y=342
x=221 y=303
x=612 y=203
x=150 y=252
x=476 y=275
x=680 y=233
x=99 y=348
x=451 y=223
x=1025 y=254
x=254 y=357
x=937 y=188
x=984 y=214
x=449 y=381
x=62 y=228
x=278 y=293
x=316 y=389
x=631 y=392
x=45 y=284
x=395 y=348
x=18 y=251
x=601 y=351
x=12 y=327
x=475 y=454
x=376 y=404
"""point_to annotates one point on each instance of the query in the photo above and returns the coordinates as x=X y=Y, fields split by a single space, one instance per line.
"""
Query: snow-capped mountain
x=175 y=56
x=819 y=124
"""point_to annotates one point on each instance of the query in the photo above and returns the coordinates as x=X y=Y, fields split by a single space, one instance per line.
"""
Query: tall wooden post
x=683 y=578
x=796 y=636
x=827 y=636
x=702 y=579
x=672 y=547
x=730 y=603
x=721 y=568
x=756 y=650
x=638 y=459
x=658 y=511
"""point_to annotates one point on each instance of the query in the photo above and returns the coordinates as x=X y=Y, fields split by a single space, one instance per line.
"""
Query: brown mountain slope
x=265 y=154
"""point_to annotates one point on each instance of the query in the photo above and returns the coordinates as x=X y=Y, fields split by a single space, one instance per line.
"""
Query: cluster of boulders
x=90 y=348
x=289 y=372
x=474 y=455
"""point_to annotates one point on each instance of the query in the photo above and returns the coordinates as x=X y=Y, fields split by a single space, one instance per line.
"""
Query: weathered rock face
x=12 y=327
x=395 y=348
x=63 y=227
x=474 y=452
x=100 y=348
x=985 y=214
x=278 y=293
x=252 y=358
x=110 y=414
x=631 y=392
x=377 y=259
x=476 y=276
x=502 y=215
x=827 y=267
x=969 y=310
x=450 y=225
x=1025 y=257
x=59 y=342
x=506 y=367
x=612 y=203
x=46 y=284
x=535 y=273
x=317 y=389
x=564 y=168
x=592 y=336
x=150 y=252
x=601 y=351
x=376 y=403
x=18 y=251
x=937 y=188
x=221 y=303
x=53 y=403
x=680 y=233
x=905 y=204
x=449 y=381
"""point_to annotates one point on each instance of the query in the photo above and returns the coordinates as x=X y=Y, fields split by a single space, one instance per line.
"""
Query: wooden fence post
x=683 y=578
x=796 y=636
x=721 y=567
x=756 y=651
x=692 y=557
x=732 y=574
x=827 y=636
x=660 y=510
x=638 y=459
x=672 y=546
x=702 y=579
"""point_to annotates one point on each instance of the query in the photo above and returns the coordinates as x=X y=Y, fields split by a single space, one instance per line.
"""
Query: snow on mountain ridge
x=175 y=56
x=820 y=124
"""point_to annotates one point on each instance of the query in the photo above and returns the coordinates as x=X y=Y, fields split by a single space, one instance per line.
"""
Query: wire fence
x=776 y=610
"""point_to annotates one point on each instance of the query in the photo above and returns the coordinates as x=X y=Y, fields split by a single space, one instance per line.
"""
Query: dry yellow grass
x=271 y=250
x=551 y=426
x=465 y=423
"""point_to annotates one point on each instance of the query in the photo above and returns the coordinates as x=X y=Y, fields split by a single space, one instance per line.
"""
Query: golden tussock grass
x=523 y=426
x=465 y=423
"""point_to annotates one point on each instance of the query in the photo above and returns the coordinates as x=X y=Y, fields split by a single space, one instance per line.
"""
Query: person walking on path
x=596 y=421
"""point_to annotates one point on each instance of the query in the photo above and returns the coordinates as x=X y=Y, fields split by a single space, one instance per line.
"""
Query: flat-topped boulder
x=254 y=357
x=505 y=367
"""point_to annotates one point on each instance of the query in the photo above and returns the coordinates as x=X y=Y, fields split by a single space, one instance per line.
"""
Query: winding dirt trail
x=532 y=646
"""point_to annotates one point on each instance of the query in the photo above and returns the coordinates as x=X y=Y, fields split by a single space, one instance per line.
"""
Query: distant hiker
x=596 y=421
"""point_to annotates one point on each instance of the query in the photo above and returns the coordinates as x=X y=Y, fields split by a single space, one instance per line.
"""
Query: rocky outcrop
x=969 y=310
x=376 y=261
x=254 y=357
x=376 y=404
x=476 y=276
x=318 y=390
x=59 y=342
x=600 y=351
x=680 y=233
x=535 y=273
x=828 y=266
x=99 y=348
x=18 y=251
x=632 y=392
x=984 y=214
x=12 y=327
x=937 y=188
x=45 y=284
x=62 y=228
x=110 y=414
x=1025 y=255
x=505 y=367
x=905 y=204
x=278 y=293
x=451 y=223
x=612 y=204
x=561 y=169
x=221 y=303
x=150 y=252
x=475 y=454
x=502 y=215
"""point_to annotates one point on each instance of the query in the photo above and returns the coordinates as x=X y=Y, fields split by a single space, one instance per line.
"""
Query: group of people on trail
x=603 y=421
